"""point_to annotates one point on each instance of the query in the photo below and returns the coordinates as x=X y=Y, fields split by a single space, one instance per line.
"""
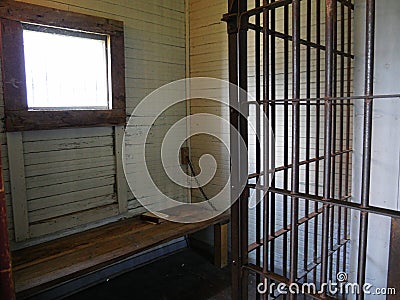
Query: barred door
x=295 y=58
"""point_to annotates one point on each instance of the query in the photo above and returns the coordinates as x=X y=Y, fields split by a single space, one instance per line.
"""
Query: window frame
x=17 y=115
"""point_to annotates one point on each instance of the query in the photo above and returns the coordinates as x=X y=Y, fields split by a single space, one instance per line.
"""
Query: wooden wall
x=71 y=179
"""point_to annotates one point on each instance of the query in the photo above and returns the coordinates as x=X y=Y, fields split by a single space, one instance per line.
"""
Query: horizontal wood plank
x=47 y=264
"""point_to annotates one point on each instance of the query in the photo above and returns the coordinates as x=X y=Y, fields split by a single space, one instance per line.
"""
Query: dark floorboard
x=183 y=275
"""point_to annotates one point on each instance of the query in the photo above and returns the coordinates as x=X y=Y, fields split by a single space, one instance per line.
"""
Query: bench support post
x=221 y=245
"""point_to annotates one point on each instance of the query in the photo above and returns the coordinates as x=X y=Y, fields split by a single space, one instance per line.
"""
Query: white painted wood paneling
x=73 y=176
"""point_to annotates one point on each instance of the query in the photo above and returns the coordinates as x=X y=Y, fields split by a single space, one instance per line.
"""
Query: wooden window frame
x=17 y=115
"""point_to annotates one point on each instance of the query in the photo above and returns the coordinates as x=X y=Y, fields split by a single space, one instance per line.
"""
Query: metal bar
x=348 y=119
x=388 y=97
x=317 y=134
x=243 y=129
x=336 y=248
x=343 y=203
x=312 y=160
x=266 y=167
x=308 y=132
x=283 y=231
x=334 y=136
x=330 y=6
x=341 y=132
x=286 y=138
x=273 y=127
x=265 y=7
x=302 y=41
x=367 y=141
x=258 y=143
x=281 y=3
x=234 y=120
x=295 y=142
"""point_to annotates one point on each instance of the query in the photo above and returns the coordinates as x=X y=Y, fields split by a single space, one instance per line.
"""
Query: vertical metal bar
x=273 y=123
x=6 y=281
x=330 y=6
x=308 y=132
x=341 y=132
x=234 y=120
x=367 y=140
x=258 y=145
x=334 y=136
x=348 y=119
x=266 y=212
x=243 y=127
x=295 y=142
x=286 y=138
x=317 y=134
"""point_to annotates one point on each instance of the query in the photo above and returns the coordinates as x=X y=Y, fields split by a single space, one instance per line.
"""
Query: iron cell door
x=295 y=57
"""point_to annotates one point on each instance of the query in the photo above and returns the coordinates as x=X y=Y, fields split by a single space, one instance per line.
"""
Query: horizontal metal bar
x=304 y=162
x=283 y=231
x=361 y=97
x=340 y=203
x=303 y=42
x=278 y=4
x=260 y=9
x=347 y=3
x=312 y=160
x=318 y=261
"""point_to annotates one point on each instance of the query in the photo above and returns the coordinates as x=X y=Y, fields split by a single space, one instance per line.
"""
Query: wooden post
x=221 y=245
x=394 y=259
x=6 y=282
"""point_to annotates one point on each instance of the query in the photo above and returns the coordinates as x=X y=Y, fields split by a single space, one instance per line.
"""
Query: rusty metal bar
x=285 y=138
x=367 y=141
x=342 y=203
x=348 y=119
x=339 y=99
x=283 y=231
x=243 y=129
x=308 y=131
x=330 y=6
x=273 y=127
x=265 y=7
x=302 y=41
x=234 y=120
x=334 y=136
x=294 y=234
x=341 y=133
x=266 y=167
x=317 y=134
x=258 y=142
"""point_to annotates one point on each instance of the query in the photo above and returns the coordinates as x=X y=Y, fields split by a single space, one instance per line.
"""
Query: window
x=59 y=74
x=52 y=57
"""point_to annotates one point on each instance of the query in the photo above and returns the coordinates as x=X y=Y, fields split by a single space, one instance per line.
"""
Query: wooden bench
x=44 y=266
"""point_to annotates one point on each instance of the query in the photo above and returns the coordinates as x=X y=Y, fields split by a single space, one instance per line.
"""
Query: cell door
x=296 y=60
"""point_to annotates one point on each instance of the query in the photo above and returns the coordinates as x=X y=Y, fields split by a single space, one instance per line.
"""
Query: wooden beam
x=221 y=245
x=122 y=186
x=6 y=280
x=394 y=259
x=18 y=185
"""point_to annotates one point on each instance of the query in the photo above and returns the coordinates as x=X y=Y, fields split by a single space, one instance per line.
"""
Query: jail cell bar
x=318 y=213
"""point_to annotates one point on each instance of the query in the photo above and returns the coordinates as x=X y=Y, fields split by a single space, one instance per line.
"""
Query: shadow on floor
x=183 y=275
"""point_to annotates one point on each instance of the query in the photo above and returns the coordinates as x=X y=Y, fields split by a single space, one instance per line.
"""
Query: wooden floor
x=40 y=267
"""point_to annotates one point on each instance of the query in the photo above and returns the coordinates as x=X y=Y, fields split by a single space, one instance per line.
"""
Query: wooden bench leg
x=221 y=245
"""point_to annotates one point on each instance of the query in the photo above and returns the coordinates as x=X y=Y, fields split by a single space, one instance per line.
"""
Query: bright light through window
x=65 y=71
